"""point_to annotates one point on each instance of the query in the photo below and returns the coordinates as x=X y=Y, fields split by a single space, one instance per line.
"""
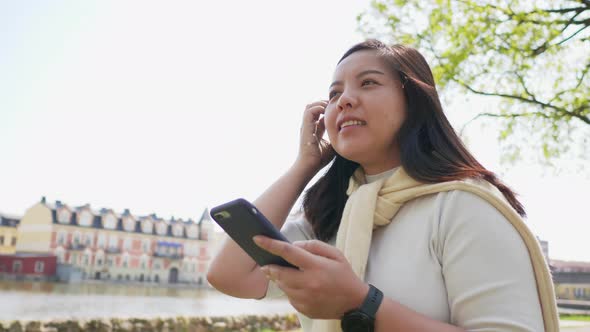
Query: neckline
x=382 y=175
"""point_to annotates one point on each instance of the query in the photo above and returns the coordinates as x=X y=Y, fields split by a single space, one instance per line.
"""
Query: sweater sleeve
x=294 y=230
x=486 y=267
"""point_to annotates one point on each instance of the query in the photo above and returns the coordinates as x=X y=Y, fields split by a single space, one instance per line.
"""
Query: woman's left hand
x=324 y=286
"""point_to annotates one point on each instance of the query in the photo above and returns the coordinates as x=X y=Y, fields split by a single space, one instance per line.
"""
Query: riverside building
x=106 y=245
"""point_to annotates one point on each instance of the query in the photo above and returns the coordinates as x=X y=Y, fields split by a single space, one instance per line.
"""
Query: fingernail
x=257 y=239
x=264 y=269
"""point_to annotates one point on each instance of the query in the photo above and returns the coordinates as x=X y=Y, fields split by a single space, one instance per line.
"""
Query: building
x=571 y=279
x=28 y=266
x=105 y=245
x=8 y=234
x=545 y=248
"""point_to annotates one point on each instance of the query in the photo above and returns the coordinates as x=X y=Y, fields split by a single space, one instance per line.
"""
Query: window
x=102 y=239
x=64 y=216
x=146 y=226
x=13 y=241
x=39 y=267
x=178 y=230
x=86 y=259
x=127 y=244
x=146 y=245
x=129 y=224
x=76 y=239
x=61 y=238
x=110 y=222
x=113 y=241
x=1 y=240
x=88 y=239
x=161 y=228
x=193 y=232
x=17 y=266
x=85 y=218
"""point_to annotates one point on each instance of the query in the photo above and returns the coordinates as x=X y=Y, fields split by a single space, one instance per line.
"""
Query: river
x=44 y=301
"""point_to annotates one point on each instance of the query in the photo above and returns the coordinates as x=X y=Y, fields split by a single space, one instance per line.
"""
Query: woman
x=406 y=231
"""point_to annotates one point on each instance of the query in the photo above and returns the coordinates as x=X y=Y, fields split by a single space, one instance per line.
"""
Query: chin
x=357 y=155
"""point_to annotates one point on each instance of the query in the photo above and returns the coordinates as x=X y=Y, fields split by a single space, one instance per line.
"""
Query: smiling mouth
x=352 y=123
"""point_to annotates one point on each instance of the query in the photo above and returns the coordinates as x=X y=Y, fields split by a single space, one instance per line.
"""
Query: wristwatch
x=362 y=319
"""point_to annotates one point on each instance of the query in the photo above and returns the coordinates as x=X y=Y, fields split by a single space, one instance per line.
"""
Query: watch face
x=356 y=322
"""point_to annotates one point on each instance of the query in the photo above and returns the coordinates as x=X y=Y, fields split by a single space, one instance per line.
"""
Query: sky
x=171 y=107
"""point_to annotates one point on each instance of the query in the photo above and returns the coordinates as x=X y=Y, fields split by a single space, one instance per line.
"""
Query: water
x=45 y=301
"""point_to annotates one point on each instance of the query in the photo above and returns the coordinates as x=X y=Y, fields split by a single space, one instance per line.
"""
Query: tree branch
x=570 y=37
x=521 y=80
x=506 y=116
x=561 y=110
x=566 y=10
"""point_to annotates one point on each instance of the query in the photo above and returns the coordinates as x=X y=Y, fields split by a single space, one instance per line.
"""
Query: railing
x=76 y=246
x=170 y=256
x=112 y=250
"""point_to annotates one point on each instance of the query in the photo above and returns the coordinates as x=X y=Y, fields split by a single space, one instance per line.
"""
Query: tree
x=533 y=56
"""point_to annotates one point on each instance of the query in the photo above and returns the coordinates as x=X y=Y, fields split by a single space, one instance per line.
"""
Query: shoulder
x=297 y=228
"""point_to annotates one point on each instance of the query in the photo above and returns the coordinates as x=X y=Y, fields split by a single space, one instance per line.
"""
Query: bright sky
x=169 y=107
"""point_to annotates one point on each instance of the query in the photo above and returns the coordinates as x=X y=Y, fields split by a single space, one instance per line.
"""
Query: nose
x=347 y=100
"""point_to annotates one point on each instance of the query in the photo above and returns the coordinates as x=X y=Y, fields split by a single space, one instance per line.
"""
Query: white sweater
x=452 y=257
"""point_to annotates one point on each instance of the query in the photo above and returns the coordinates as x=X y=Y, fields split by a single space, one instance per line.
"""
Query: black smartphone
x=241 y=220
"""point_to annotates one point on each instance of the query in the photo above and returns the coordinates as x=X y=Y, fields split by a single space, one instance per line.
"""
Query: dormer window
x=178 y=230
x=161 y=228
x=193 y=231
x=85 y=218
x=129 y=224
x=63 y=216
x=147 y=226
x=110 y=222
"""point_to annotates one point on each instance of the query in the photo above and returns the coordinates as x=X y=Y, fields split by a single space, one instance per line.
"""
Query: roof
x=9 y=221
x=97 y=221
x=570 y=266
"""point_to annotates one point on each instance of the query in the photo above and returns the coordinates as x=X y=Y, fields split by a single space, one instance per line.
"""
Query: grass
x=582 y=318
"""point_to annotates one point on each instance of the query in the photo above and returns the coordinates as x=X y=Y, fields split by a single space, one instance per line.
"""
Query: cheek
x=330 y=118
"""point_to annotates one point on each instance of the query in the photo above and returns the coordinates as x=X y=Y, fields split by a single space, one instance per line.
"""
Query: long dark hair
x=430 y=150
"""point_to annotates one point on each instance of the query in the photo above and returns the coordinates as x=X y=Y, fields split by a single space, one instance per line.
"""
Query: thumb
x=320 y=248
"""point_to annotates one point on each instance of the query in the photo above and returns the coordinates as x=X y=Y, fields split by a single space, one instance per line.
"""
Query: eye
x=332 y=94
x=366 y=82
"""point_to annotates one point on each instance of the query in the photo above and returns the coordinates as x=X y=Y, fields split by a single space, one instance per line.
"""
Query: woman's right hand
x=314 y=151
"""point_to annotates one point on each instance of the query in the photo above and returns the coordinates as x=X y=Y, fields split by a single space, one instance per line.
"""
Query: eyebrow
x=365 y=72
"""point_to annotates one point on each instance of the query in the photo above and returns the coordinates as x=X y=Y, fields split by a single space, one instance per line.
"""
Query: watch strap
x=372 y=301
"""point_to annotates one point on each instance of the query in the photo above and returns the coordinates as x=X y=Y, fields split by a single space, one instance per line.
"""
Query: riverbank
x=185 y=324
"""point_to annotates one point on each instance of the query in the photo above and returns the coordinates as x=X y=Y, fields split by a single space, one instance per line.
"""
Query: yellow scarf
x=372 y=205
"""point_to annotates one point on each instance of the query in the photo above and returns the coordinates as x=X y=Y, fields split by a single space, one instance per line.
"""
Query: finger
x=319 y=102
x=292 y=254
x=320 y=248
x=285 y=277
x=320 y=128
x=310 y=120
x=312 y=114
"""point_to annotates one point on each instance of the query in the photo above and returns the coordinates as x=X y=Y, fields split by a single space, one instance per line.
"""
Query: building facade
x=28 y=266
x=8 y=234
x=571 y=279
x=105 y=245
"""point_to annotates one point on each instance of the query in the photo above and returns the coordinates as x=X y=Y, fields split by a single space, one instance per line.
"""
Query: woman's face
x=366 y=108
